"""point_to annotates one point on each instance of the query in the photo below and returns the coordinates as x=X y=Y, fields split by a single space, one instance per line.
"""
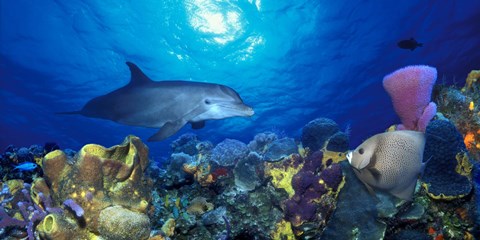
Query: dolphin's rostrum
x=167 y=105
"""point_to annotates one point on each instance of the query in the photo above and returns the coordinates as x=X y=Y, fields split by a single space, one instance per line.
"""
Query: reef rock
x=356 y=214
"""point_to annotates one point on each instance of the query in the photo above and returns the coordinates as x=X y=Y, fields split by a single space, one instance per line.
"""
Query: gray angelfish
x=167 y=105
x=391 y=162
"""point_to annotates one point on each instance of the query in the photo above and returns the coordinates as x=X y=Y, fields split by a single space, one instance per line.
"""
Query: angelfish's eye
x=360 y=150
x=207 y=101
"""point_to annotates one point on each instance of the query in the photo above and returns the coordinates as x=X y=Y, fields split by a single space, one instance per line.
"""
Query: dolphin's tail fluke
x=69 y=113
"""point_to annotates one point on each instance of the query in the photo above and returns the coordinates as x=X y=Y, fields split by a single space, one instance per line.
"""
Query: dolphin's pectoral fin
x=167 y=130
x=198 y=125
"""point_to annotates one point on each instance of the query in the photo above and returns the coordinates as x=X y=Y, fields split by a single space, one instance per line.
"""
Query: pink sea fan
x=410 y=89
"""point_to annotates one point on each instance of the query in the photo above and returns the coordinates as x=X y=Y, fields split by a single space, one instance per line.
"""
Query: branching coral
x=30 y=212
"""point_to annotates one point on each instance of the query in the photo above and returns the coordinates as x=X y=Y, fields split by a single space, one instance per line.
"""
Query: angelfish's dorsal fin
x=137 y=76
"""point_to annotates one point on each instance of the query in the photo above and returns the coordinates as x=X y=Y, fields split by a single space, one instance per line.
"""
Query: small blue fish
x=26 y=166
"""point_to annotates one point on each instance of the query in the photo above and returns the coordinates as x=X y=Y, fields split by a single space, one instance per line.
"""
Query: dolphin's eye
x=207 y=101
x=360 y=150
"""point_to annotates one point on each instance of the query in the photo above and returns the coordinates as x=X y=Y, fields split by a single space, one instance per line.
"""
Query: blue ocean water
x=292 y=61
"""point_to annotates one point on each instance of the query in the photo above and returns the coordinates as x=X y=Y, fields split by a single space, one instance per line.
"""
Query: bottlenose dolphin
x=167 y=105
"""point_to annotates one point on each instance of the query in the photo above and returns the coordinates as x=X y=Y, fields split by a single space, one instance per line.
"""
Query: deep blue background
x=293 y=61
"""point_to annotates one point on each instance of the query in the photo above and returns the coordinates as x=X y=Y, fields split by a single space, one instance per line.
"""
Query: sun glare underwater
x=253 y=119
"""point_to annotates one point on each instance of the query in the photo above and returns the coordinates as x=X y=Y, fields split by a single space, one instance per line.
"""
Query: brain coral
x=229 y=151
x=324 y=131
x=119 y=223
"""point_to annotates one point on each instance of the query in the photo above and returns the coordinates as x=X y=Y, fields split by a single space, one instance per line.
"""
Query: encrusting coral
x=199 y=205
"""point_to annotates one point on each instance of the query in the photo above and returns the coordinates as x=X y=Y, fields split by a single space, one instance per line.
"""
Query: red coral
x=219 y=172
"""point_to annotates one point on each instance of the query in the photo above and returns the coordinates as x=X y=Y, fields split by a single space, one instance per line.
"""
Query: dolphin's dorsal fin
x=137 y=76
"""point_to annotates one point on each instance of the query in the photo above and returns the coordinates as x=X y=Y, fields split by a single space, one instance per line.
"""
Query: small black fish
x=409 y=44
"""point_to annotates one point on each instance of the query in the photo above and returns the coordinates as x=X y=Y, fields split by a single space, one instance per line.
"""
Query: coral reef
x=324 y=133
x=268 y=189
x=23 y=211
x=338 y=142
x=317 y=132
x=201 y=171
x=356 y=214
x=228 y=152
x=117 y=222
x=312 y=184
x=237 y=203
x=177 y=176
x=280 y=149
x=107 y=183
x=261 y=141
x=441 y=178
x=199 y=206
x=22 y=162
x=410 y=89
x=471 y=81
x=476 y=212
x=283 y=230
x=282 y=172
x=245 y=172
x=186 y=143
x=461 y=108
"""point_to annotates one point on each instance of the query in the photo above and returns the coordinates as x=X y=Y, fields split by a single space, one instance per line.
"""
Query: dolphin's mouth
x=248 y=111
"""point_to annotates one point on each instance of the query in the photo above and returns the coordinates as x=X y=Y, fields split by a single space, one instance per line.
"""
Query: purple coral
x=6 y=220
x=332 y=176
x=311 y=184
x=313 y=162
x=74 y=207
x=299 y=212
x=31 y=212
x=410 y=89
